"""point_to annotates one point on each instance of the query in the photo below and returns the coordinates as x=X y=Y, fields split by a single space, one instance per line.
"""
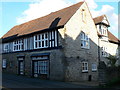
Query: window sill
x=85 y=48
x=94 y=70
x=84 y=71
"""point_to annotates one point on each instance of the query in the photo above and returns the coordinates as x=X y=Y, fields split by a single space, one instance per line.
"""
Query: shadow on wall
x=75 y=55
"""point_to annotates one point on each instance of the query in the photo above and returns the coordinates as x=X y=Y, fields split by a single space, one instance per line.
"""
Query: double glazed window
x=84 y=66
x=18 y=45
x=41 y=40
x=84 y=41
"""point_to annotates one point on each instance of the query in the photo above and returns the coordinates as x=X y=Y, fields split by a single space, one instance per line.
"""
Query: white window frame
x=18 y=44
x=94 y=67
x=40 y=41
x=85 y=39
x=4 y=63
x=104 y=51
x=103 y=30
x=6 y=49
x=84 y=66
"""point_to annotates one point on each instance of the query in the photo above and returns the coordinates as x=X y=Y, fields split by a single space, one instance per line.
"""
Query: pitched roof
x=99 y=19
x=54 y=19
x=111 y=37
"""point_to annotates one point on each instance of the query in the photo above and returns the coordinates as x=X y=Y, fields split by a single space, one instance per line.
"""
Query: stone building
x=63 y=45
x=108 y=43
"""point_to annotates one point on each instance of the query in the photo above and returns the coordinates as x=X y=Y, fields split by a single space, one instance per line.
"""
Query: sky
x=14 y=12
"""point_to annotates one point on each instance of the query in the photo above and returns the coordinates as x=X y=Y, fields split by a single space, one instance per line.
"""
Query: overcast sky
x=15 y=12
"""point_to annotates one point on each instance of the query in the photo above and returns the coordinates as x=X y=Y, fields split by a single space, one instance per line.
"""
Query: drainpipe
x=98 y=50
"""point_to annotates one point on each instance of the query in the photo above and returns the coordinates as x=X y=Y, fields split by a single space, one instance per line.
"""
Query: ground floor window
x=94 y=67
x=4 y=63
x=41 y=67
x=84 y=66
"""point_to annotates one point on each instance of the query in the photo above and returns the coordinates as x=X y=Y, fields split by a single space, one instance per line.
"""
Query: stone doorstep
x=86 y=83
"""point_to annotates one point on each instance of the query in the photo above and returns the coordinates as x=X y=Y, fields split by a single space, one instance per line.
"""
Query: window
x=52 y=38
x=43 y=67
x=103 y=30
x=83 y=15
x=41 y=41
x=18 y=45
x=84 y=41
x=117 y=53
x=94 y=67
x=84 y=66
x=4 y=63
x=104 y=51
x=45 y=40
x=6 y=47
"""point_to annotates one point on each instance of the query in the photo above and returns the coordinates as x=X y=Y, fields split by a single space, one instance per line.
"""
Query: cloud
x=41 y=8
x=111 y=15
x=44 y=7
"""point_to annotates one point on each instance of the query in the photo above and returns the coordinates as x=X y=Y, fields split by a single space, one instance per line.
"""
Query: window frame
x=103 y=30
x=18 y=45
x=40 y=41
x=4 y=63
x=104 y=51
x=6 y=50
x=94 y=67
x=84 y=66
x=83 y=15
x=85 y=39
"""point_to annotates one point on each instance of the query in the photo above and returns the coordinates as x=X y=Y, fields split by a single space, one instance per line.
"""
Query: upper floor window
x=103 y=30
x=18 y=45
x=83 y=15
x=104 y=51
x=41 y=40
x=45 y=40
x=84 y=41
x=6 y=47
x=84 y=66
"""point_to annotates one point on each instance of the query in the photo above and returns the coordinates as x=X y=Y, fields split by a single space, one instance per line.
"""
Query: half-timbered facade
x=63 y=45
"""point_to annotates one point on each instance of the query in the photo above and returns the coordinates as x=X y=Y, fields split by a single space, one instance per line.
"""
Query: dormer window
x=103 y=30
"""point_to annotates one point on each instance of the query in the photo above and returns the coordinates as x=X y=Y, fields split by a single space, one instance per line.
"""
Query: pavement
x=15 y=81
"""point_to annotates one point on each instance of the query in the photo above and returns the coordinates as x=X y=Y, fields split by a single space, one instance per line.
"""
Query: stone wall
x=56 y=63
x=74 y=54
x=107 y=74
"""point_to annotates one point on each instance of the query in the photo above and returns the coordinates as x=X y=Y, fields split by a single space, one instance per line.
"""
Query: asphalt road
x=15 y=81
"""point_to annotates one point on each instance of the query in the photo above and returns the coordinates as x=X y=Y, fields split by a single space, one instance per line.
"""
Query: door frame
x=21 y=59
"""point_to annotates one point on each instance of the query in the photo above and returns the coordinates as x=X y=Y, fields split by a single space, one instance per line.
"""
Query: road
x=15 y=81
